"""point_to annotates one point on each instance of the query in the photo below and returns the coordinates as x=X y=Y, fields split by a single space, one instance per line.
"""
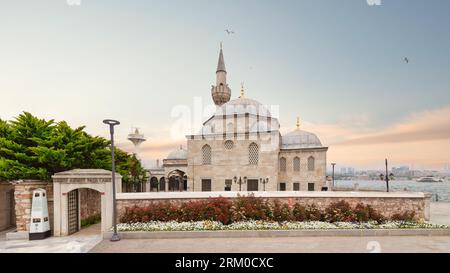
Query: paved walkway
x=440 y=213
x=291 y=244
x=79 y=242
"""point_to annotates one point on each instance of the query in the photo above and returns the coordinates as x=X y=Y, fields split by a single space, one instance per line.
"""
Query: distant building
x=447 y=168
x=348 y=171
x=401 y=171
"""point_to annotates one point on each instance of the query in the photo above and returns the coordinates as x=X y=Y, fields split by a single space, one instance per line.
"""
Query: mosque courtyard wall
x=386 y=203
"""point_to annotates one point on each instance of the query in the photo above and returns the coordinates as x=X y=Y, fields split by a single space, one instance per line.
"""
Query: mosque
x=240 y=148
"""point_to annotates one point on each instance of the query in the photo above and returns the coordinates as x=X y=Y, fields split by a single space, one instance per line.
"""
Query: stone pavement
x=440 y=213
x=79 y=242
x=390 y=244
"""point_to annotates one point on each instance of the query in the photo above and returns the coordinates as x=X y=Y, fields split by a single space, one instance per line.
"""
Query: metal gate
x=73 y=211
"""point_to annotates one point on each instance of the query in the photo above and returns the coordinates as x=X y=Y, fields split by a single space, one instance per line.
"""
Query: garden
x=256 y=213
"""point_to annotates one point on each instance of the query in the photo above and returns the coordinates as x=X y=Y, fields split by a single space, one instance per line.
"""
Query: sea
x=440 y=190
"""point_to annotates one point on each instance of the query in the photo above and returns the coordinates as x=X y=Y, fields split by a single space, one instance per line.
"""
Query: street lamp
x=387 y=177
x=332 y=174
x=240 y=181
x=115 y=237
x=264 y=181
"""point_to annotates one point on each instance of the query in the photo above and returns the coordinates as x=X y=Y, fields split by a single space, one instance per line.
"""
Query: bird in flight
x=229 y=31
x=406 y=60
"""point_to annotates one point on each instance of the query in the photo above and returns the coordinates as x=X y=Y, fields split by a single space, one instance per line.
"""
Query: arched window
x=296 y=164
x=311 y=163
x=228 y=144
x=253 y=154
x=282 y=164
x=206 y=154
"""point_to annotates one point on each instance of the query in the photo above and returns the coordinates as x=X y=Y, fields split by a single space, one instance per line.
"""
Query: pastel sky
x=336 y=64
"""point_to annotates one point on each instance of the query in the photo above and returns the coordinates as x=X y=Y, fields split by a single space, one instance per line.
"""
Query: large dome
x=300 y=139
x=243 y=105
x=178 y=154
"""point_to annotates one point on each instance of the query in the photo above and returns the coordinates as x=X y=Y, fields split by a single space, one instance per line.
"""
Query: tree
x=33 y=148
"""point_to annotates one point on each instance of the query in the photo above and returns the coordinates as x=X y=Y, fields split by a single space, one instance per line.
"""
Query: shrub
x=281 y=212
x=218 y=209
x=340 y=211
x=91 y=220
x=313 y=213
x=245 y=208
x=407 y=216
x=299 y=212
x=191 y=211
x=250 y=207
x=365 y=213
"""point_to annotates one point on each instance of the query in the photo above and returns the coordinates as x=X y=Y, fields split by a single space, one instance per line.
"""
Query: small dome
x=300 y=139
x=243 y=105
x=178 y=154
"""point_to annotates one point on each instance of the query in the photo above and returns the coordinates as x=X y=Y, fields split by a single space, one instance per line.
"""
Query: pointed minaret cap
x=221 y=63
x=298 y=123
x=242 y=90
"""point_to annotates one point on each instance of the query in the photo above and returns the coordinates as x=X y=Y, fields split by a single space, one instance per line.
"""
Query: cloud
x=421 y=139
x=424 y=126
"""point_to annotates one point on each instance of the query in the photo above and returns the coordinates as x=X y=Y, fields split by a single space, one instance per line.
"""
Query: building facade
x=240 y=148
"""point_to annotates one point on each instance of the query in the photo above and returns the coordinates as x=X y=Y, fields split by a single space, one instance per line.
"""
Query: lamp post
x=115 y=237
x=240 y=181
x=332 y=174
x=387 y=177
x=264 y=181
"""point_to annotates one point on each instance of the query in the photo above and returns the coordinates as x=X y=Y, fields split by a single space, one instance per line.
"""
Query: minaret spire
x=221 y=93
x=221 y=63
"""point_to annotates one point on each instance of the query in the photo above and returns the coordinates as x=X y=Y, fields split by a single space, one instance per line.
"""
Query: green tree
x=33 y=148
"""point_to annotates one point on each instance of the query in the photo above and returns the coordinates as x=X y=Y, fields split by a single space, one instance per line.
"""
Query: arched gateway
x=66 y=205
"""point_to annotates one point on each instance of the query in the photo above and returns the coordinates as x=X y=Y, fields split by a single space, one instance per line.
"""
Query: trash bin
x=39 y=224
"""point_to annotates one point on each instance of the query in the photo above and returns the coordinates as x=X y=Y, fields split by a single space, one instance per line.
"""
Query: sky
x=338 y=65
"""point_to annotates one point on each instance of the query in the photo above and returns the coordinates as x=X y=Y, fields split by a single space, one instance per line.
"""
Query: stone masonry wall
x=90 y=203
x=386 y=206
x=23 y=198
x=6 y=206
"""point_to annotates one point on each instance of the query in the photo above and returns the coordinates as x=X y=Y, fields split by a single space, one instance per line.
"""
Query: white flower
x=267 y=225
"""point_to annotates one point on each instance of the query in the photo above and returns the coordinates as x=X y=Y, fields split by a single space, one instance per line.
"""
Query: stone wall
x=304 y=176
x=385 y=203
x=227 y=163
x=90 y=203
x=7 y=218
x=23 y=190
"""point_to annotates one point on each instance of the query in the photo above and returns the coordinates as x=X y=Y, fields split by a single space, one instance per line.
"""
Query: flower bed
x=268 y=225
x=248 y=208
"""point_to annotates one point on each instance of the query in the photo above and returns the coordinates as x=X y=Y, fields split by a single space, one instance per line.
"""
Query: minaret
x=221 y=93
